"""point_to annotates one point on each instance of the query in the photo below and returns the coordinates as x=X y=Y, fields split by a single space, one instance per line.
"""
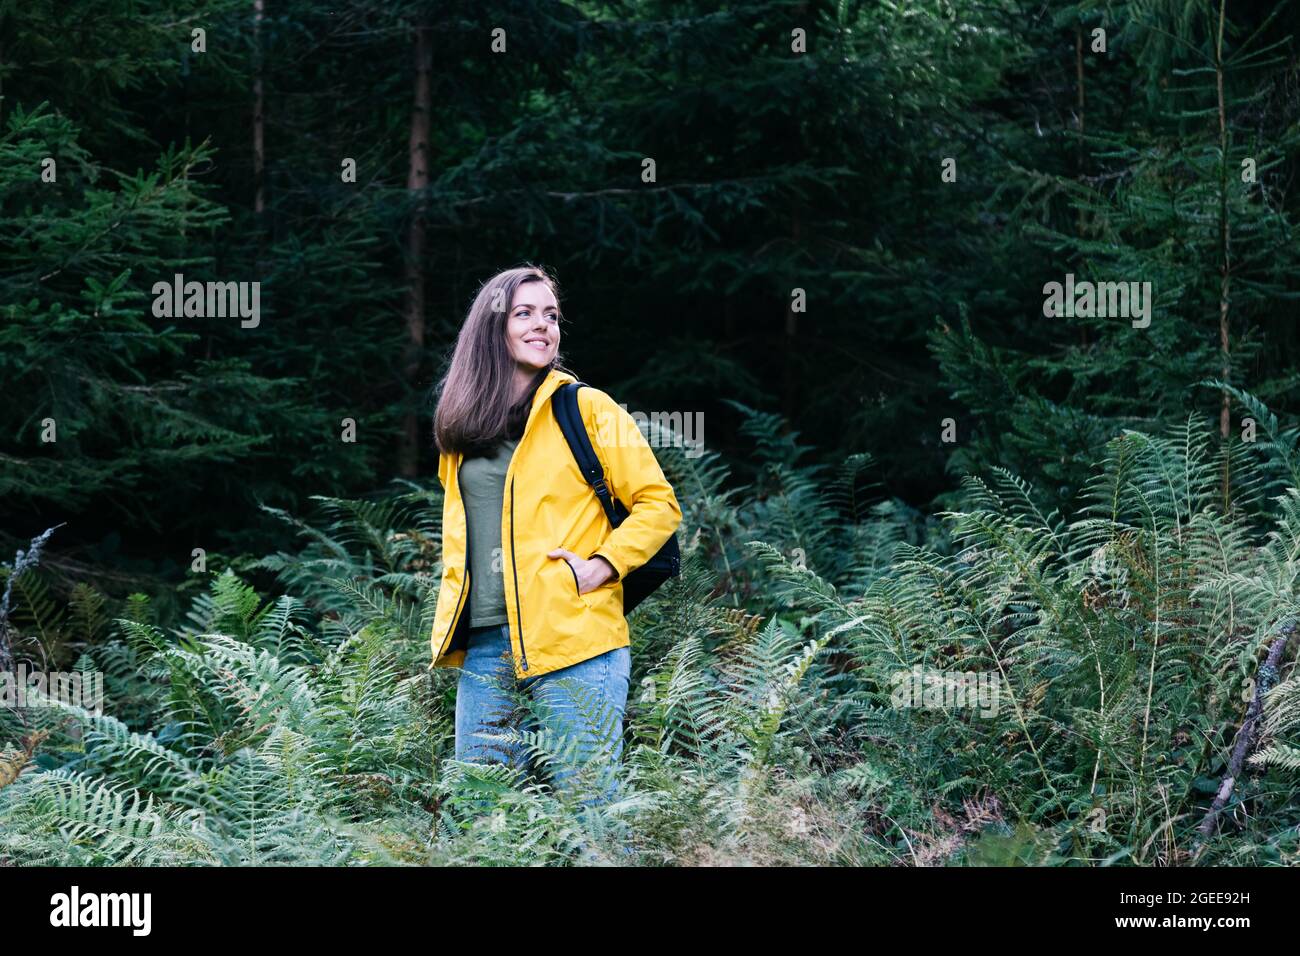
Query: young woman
x=531 y=595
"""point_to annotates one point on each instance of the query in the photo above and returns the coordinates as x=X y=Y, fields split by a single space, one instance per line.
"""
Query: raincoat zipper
x=464 y=584
x=523 y=655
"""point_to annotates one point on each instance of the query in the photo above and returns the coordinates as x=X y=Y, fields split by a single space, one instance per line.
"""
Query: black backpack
x=641 y=582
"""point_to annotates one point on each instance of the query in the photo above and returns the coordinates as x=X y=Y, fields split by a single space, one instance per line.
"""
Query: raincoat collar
x=554 y=379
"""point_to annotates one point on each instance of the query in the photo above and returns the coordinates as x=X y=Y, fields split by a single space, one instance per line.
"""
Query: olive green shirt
x=482 y=488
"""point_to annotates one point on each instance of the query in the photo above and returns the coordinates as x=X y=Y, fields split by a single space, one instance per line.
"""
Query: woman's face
x=533 y=326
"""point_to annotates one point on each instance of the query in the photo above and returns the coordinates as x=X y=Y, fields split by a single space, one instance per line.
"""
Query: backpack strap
x=564 y=404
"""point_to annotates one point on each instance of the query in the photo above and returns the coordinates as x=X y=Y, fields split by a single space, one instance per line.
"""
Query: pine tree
x=1164 y=195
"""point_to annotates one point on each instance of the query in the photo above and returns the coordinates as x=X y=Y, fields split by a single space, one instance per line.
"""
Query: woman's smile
x=533 y=328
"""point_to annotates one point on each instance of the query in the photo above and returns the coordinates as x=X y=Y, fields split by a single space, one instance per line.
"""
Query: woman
x=531 y=595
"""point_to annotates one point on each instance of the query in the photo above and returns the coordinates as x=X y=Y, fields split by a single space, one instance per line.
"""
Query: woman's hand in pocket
x=589 y=573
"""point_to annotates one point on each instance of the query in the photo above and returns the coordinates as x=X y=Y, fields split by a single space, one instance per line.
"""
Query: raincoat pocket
x=561 y=581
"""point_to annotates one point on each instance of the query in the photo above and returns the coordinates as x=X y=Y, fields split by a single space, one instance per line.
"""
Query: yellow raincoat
x=547 y=504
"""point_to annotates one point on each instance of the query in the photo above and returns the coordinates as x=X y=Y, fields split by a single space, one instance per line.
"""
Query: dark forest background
x=1116 y=140
x=776 y=171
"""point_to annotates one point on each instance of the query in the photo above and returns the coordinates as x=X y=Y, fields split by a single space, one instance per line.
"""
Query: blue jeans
x=581 y=705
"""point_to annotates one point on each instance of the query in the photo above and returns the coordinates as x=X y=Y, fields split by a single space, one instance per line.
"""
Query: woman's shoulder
x=594 y=401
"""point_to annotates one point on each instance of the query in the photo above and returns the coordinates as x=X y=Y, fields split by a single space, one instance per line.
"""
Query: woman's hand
x=590 y=572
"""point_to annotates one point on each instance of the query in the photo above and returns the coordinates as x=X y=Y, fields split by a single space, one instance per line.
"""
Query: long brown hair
x=474 y=409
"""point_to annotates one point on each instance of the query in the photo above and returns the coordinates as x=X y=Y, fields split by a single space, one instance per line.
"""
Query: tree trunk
x=789 y=384
x=1078 y=156
x=1225 y=261
x=417 y=180
x=259 y=150
x=259 y=153
x=1265 y=680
